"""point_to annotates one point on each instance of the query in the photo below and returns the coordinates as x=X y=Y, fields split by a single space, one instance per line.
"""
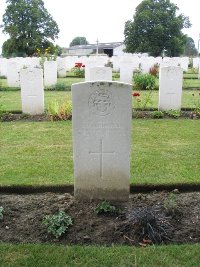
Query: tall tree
x=190 y=49
x=155 y=27
x=29 y=26
x=78 y=41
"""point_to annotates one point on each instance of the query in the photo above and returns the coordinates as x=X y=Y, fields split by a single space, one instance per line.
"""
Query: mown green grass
x=11 y=100
x=40 y=153
x=90 y=256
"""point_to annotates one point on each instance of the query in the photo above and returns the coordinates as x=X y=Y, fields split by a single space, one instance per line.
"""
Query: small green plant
x=24 y=116
x=170 y=204
x=142 y=102
x=106 y=207
x=157 y=114
x=144 y=81
x=79 y=70
x=173 y=113
x=57 y=224
x=196 y=103
x=56 y=111
x=1 y=212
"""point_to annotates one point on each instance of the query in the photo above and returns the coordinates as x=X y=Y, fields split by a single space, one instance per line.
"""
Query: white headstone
x=195 y=62
x=184 y=62
x=50 y=73
x=170 y=88
x=100 y=74
x=3 y=66
x=127 y=66
x=13 y=76
x=101 y=139
x=61 y=62
x=32 y=91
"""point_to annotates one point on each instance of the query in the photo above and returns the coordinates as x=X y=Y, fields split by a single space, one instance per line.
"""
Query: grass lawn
x=40 y=153
x=11 y=100
x=88 y=256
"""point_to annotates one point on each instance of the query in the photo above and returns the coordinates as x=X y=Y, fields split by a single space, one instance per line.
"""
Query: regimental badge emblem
x=101 y=102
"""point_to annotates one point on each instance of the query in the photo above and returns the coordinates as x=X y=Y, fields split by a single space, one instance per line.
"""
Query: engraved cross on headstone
x=101 y=153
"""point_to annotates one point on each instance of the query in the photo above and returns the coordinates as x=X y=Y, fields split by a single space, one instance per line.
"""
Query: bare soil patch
x=23 y=215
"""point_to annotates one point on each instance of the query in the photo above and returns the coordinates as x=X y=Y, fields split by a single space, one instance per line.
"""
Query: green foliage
x=78 y=41
x=5 y=116
x=1 y=212
x=59 y=111
x=196 y=102
x=57 y=224
x=29 y=26
x=155 y=28
x=157 y=114
x=79 y=70
x=190 y=49
x=59 y=86
x=142 y=102
x=170 y=204
x=106 y=207
x=173 y=113
x=144 y=81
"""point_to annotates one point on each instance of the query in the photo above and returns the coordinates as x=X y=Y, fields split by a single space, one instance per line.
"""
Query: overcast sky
x=103 y=19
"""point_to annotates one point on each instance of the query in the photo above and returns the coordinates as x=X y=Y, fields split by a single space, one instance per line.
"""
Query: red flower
x=78 y=65
x=135 y=94
x=83 y=66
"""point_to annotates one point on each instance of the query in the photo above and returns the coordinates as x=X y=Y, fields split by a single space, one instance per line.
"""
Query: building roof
x=94 y=46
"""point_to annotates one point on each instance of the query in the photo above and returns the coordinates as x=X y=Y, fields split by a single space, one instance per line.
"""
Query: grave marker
x=32 y=91
x=101 y=139
x=170 y=88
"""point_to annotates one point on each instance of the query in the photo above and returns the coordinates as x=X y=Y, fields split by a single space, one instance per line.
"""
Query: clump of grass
x=147 y=223
x=170 y=204
x=56 y=111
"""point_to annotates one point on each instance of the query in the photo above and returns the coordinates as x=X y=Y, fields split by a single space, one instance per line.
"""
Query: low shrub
x=57 y=224
x=173 y=113
x=149 y=224
x=144 y=81
x=154 y=70
x=157 y=114
x=5 y=116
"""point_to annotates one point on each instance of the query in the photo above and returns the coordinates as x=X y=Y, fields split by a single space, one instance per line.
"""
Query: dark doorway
x=108 y=52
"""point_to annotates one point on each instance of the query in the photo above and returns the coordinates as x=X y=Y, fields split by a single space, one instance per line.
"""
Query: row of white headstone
x=11 y=67
x=14 y=68
x=32 y=87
